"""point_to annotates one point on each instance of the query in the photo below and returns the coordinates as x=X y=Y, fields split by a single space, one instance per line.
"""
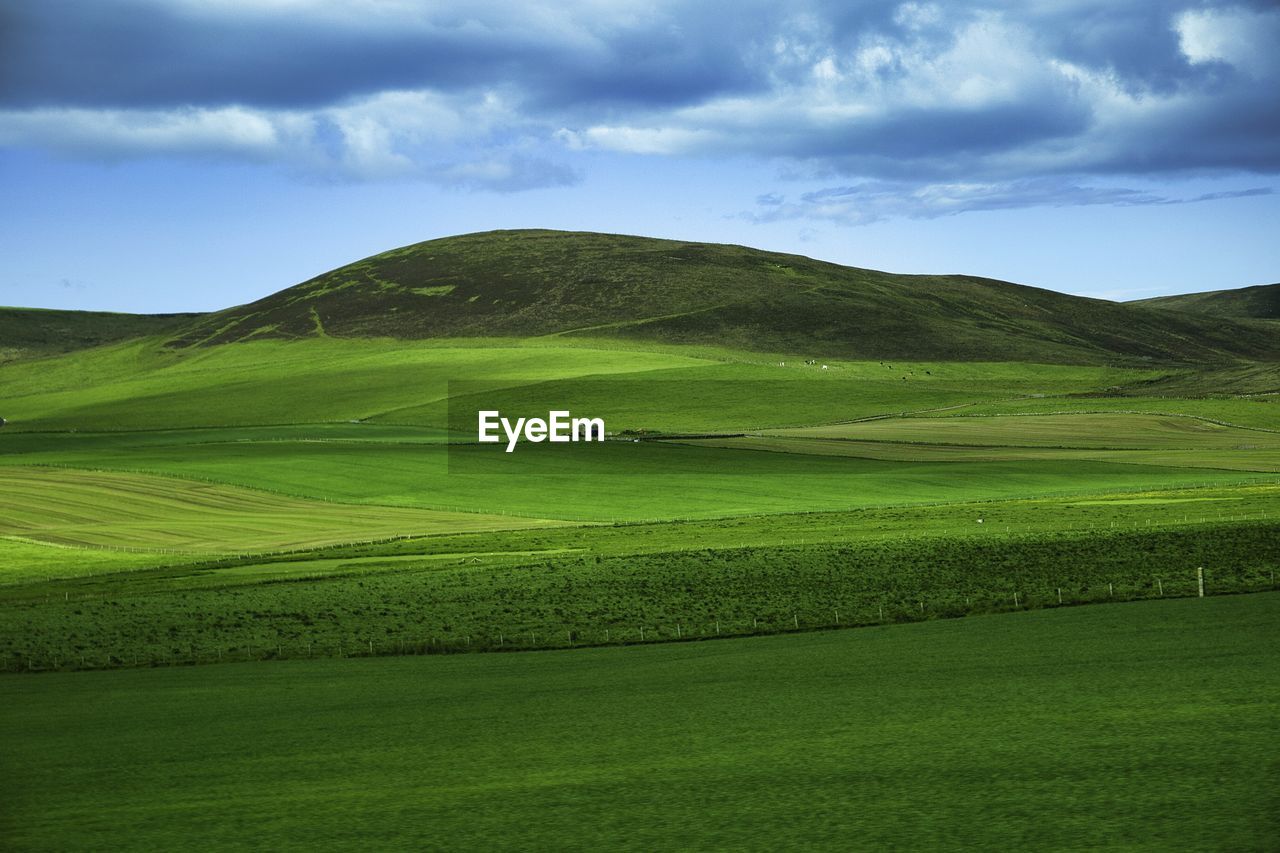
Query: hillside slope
x=1261 y=302
x=34 y=332
x=533 y=283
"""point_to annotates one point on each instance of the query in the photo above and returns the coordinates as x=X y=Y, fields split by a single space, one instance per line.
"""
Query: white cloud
x=392 y=135
x=1246 y=39
x=874 y=201
x=118 y=133
x=643 y=140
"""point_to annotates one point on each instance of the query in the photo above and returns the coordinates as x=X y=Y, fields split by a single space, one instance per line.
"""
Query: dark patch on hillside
x=530 y=283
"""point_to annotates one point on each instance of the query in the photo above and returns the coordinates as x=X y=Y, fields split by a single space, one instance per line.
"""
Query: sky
x=188 y=155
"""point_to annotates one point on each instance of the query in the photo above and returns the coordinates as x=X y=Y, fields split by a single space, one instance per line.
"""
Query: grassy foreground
x=1144 y=726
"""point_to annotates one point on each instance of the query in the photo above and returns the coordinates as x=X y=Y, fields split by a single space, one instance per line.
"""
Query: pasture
x=613 y=481
x=167 y=514
x=285 y=498
x=1144 y=726
x=304 y=513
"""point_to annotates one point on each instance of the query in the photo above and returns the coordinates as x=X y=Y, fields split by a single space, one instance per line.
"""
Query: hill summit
x=541 y=283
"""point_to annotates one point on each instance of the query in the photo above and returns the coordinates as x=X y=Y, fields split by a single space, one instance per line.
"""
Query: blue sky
x=191 y=154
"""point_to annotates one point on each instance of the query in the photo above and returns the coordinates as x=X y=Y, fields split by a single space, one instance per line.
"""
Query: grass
x=315 y=492
x=1142 y=726
x=25 y=560
x=547 y=283
x=27 y=333
x=1088 y=430
x=1223 y=460
x=608 y=482
x=1260 y=302
x=1253 y=412
x=139 y=511
x=548 y=596
x=139 y=386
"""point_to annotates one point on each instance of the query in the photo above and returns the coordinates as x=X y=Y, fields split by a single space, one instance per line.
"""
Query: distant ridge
x=534 y=283
x=1261 y=302
x=36 y=332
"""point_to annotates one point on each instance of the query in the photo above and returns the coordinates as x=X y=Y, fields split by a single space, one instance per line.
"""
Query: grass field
x=399 y=466
x=1110 y=431
x=145 y=512
x=1146 y=726
x=270 y=489
x=547 y=597
x=225 y=508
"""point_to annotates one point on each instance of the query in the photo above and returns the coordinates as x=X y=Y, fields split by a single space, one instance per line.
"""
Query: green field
x=1110 y=431
x=1148 y=726
x=259 y=467
x=294 y=490
x=143 y=511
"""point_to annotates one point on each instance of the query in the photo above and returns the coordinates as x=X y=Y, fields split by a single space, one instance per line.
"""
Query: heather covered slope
x=35 y=332
x=1261 y=302
x=537 y=283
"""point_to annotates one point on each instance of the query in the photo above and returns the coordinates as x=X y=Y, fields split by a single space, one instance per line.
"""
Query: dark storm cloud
x=146 y=53
x=505 y=95
x=133 y=53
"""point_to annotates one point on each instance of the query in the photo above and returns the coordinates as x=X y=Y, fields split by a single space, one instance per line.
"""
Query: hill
x=34 y=332
x=1261 y=302
x=540 y=283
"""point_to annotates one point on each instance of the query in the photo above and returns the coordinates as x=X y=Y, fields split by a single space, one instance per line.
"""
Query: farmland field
x=1061 y=729
x=222 y=531
x=252 y=511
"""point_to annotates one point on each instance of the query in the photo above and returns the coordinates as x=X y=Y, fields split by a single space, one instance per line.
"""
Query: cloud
x=113 y=134
x=389 y=136
x=873 y=201
x=1062 y=95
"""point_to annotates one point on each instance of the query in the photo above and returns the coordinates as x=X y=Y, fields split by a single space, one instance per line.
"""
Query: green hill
x=1261 y=302
x=548 y=283
x=34 y=332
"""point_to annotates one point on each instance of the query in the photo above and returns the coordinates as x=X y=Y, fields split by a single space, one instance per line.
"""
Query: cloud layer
x=913 y=109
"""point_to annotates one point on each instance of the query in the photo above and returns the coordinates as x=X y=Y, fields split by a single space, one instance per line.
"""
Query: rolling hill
x=35 y=332
x=548 y=283
x=1261 y=302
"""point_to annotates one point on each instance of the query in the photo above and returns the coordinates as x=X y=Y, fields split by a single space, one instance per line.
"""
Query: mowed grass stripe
x=117 y=509
x=613 y=481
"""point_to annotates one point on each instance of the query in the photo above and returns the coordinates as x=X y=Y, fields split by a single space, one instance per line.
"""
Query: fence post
x=1200 y=580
